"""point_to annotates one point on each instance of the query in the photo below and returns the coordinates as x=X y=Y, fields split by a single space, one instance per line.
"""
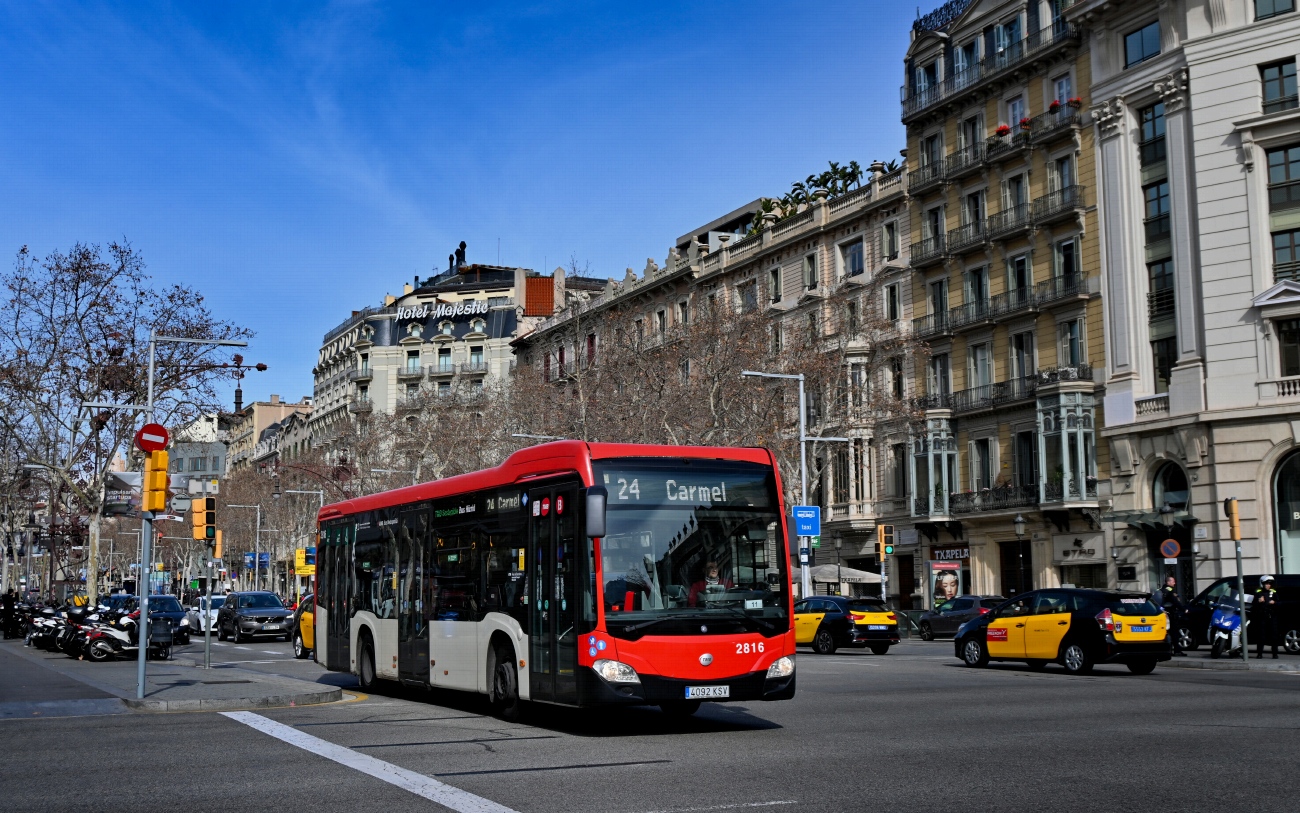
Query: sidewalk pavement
x=1202 y=660
x=174 y=685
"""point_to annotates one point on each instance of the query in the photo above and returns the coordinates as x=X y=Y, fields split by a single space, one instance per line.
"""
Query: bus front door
x=553 y=533
x=338 y=623
x=412 y=617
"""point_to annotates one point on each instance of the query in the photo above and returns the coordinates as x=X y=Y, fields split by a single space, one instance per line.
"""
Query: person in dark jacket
x=1174 y=606
x=1263 y=616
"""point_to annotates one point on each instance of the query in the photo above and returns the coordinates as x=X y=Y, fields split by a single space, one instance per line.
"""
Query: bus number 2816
x=746 y=649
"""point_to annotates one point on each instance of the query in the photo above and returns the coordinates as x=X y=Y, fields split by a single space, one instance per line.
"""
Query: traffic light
x=153 y=486
x=884 y=541
x=1234 y=522
x=216 y=547
x=204 y=519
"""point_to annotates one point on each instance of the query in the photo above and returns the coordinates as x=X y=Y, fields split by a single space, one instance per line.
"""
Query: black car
x=168 y=610
x=1076 y=628
x=247 y=615
x=947 y=617
x=1195 y=624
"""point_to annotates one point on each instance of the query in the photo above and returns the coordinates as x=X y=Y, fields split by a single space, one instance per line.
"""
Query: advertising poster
x=945 y=581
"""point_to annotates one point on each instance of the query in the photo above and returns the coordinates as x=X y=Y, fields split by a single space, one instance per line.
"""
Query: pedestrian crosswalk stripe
x=446 y=795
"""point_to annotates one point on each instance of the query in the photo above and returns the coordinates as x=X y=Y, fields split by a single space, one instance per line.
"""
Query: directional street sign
x=152 y=437
x=807 y=520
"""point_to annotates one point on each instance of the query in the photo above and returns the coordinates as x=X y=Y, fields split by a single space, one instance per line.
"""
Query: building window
x=640 y=328
x=981 y=464
x=661 y=322
x=412 y=361
x=939 y=297
x=365 y=362
x=896 y=378
x=851 y=318
x=363 y=394
x=1271 y=8
x=1151 y=119
x=444 y=388
x=546 y=367
x=559 y=360
x=813 y=332
x=216 y=464
x=774 y=283
x=1070 y=351
x=591 y=348
x=748 y=296
x=776 y=339
x=851 y=257
x=1284 y=178
x=477 y=326
x=1062 y=88
x=1156 y=220
x=898 y=465
x=1286 y=255
x=1162 y=355
x=1141 y=45
x=939 y=382
x=412 y=391
x=1020 y=279
x=977 y=286
x=979 y=365
x=964 y=57
x=927 y=76
x=1022 y=356
x=446 y=328
x=893 y=309
x=1160 y=299
x=1026 y=463
x=1288 y=342
x=1279 y=86
x=1015 y=111
x=683 y=313
x=890 y=240
x=178 y=464
x=973 y=208
x=1067 y=271
x=444 y=360
x=196 y=464
x=476 y=356
x=810 y=271
x=931 y=151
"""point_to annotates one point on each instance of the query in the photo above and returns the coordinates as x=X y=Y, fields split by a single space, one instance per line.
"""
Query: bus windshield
x=692 y=547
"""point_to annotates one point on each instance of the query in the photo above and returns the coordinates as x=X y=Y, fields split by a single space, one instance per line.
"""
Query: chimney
x=275 y=399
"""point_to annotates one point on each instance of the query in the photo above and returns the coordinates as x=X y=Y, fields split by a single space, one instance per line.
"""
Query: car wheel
x=927 y=632
x=300 y=650
x=221 y=633
x=366 y=665
x=824 y=642
x=879 y=649
x=1143 y=667
x=505 y=685
x=1187 y=641
x=680 y=708
x=236 y=634
x=1075 y=659
x=1292 y=641
x=973 y=653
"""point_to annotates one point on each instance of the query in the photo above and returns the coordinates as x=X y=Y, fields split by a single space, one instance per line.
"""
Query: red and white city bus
x=573 y=573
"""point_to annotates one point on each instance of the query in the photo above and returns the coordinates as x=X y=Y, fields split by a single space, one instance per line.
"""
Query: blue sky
x=295 y=161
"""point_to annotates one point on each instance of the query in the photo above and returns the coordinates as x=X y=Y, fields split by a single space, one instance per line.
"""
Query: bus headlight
x=615 y=672
x=781 y=667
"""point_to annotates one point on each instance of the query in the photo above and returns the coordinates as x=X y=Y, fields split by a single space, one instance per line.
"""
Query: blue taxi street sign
x=807 y=520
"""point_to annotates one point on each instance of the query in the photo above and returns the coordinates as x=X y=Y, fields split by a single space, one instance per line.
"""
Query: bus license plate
x=702 y=692
x=1146 y=628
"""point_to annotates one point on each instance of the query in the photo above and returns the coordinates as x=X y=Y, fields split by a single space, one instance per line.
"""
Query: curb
x=1235 y=665
x=237 y=703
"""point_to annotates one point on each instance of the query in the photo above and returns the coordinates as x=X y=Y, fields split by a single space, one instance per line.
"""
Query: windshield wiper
x=739 y=613
x=660 y=620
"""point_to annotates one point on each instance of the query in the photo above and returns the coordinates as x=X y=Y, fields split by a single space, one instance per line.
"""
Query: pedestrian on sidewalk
x=1174 y=606
x=1263 y=616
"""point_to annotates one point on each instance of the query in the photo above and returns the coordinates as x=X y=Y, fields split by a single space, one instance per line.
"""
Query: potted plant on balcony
x=1026 y=124
x=1076 y=102
x=1055 y=106
x=1003 y=130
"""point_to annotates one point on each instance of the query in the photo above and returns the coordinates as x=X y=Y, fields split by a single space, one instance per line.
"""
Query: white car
x=197 y=616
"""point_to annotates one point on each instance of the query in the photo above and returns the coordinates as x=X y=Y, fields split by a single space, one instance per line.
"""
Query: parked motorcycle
x=1225 y=629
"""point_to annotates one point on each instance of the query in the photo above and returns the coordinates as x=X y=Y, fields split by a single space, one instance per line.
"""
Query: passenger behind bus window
x=711 y=582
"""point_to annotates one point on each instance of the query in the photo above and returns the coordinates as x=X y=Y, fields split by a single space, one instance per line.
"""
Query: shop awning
x=830 y=574
x=1147 y=520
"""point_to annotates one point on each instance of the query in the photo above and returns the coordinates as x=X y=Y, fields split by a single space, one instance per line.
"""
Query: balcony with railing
x=1077 y=488
x=1160 y=304
x=970 y=313
x=931 y=324
x=990 y=396
x=1286 y=271
x=1154 y=406
x=1049 y=125
x=361 y=374
x=1013 y=55
x=1010 y=221
x=927 y=251
x=965 y=161
x=442 y=369
x=474 y=367
x=935 y=400
x=1063 y=202
x=996 y=498
x=1060 y=287
x=925 y=176
x=411 y=372
x=1066 y=372
x=361 y=405
x=1000 y=147
x=967 y=236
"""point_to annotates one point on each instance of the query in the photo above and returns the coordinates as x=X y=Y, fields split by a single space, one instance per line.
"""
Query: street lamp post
x=839 y=570
x=1019 y=523
x=806 y=585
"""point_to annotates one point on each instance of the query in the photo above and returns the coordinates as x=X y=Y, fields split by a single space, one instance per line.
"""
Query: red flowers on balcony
x=1003 y=130
x=1026 y=123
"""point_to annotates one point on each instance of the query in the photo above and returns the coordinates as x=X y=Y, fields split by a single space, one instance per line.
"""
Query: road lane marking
x=732 y=806
x=419 y=784
x=271 y=652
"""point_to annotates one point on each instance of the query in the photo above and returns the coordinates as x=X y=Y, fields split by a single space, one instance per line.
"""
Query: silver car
x=201 y=621
x=951 y=614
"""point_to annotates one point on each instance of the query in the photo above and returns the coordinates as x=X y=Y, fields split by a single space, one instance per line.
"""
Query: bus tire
x=366 y=663
x=504 y=689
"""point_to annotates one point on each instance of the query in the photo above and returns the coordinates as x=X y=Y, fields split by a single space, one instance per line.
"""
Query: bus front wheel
x=366 y=664
x=505 y=685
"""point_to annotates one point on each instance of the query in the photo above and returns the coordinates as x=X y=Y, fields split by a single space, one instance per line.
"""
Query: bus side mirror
x=596 y=497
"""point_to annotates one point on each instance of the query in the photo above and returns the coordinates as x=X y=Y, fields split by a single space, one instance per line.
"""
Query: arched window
x=1286 y=507
x=478 y=326
x=1170 y=487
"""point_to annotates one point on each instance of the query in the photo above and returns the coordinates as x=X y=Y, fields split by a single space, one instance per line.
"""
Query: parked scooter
x=106 y=641
x=1225 y=628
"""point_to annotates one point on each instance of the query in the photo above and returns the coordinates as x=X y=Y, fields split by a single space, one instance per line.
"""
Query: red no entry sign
x=1170 y=548
x=152 y=437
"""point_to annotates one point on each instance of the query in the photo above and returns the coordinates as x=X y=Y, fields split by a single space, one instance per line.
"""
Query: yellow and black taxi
x=304 y=627
x=1075 y=628
x=828 y=622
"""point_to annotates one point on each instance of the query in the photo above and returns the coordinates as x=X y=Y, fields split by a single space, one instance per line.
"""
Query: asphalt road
x=911 y=730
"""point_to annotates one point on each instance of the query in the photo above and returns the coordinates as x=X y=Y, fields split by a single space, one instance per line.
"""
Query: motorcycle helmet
x=1265 y=579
